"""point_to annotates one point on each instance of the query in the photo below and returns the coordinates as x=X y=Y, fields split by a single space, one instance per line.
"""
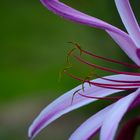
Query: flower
x=107 y=120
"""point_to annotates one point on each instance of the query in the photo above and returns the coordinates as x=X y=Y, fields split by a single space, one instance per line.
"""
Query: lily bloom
x=107 y=120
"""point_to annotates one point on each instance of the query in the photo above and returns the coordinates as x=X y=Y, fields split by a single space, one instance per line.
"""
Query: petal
x=129 y=20
x=91 y=126
x=119 y=36
x=115 y=115
x=128 y=46
x=63 y=105
x=69 y=13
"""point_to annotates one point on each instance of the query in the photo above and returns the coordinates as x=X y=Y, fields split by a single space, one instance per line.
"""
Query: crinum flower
x=107 y=120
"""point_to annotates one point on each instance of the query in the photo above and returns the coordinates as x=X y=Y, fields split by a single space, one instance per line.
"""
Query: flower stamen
x=104 y=68
x=113 y=84
x=106 y=59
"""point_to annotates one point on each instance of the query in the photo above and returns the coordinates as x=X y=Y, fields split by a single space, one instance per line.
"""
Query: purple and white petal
x=118 y=35
x=128 y=46
x=129 y=20
x=63 y=105
x=67 y=12
x=91 y=126
x=115 y=114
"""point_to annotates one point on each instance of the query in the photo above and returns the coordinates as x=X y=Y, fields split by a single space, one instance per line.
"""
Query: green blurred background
x=33 y=48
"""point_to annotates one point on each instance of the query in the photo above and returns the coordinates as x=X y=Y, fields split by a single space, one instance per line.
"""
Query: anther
x=77 y=46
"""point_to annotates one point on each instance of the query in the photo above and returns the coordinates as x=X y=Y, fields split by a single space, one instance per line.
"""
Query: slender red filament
x=104 y=68
x=110 y=60
x=103 y=58
x=113 y=83
x=113 y=80
x=110 y=86
x=101 y=98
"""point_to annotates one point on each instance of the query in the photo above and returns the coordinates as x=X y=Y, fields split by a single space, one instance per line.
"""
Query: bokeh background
x=33 y=50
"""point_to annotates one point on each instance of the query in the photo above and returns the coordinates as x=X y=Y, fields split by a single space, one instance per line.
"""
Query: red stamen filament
x=101 y=98
x=119 y=84
x=110 y=60
x=122 y=81
x=104 y=68
x=110 y=86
